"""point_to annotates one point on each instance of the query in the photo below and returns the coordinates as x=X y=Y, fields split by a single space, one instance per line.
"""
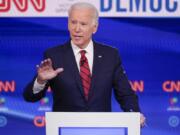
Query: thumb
x=59 y=70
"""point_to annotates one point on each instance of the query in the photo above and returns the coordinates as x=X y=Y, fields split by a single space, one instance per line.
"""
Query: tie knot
x=82 y=52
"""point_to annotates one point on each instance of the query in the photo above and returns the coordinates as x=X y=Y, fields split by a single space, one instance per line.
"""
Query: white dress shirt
x=76 y=50
x=89 y=54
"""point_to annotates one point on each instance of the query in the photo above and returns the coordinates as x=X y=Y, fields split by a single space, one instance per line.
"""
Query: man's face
x=81 y=26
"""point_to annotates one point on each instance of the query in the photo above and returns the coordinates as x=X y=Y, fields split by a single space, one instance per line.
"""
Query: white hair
x=81 y=5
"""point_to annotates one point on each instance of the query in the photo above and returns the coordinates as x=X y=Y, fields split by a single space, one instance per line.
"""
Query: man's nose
x=78 y=28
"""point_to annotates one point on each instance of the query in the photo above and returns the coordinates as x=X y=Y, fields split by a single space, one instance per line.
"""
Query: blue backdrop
x=149 y=49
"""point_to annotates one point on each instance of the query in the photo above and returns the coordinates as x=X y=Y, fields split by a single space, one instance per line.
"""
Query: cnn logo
x=171 y=86
x=7 y=86
x=22 y=5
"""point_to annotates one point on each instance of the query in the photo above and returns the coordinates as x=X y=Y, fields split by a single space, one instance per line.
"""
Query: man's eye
x=83 y=24
x=73 y=22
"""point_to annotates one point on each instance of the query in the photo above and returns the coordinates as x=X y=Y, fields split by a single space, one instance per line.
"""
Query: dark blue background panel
x=150 y=53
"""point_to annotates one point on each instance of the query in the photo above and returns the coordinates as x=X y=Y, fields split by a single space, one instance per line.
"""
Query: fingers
x=49 y=62
x=45 y=69
x=142 y=120
x=59 y=70
x=45 y=64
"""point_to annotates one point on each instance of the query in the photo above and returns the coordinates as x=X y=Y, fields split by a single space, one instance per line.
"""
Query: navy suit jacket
x=107 y=74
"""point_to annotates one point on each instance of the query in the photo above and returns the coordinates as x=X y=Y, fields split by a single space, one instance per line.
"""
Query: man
x=82 y=72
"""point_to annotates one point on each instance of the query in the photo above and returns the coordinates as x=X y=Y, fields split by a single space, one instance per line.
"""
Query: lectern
x=56 y=120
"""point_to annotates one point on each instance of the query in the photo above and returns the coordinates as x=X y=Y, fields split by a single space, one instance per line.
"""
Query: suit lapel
x=96 y=68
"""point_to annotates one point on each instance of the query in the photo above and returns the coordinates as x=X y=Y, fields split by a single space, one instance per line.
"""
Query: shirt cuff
x=38 y=87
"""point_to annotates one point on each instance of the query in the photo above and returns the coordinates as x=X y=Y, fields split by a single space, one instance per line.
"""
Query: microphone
x=82 y=62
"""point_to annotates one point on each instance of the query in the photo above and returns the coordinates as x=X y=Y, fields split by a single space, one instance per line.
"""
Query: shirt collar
x=88 y=48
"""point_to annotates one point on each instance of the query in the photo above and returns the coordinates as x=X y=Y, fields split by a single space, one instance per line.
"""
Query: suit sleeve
x=122 y=89
x=28 y=90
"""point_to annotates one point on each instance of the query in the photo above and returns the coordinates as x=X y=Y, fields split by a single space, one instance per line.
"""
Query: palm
x=46 y=71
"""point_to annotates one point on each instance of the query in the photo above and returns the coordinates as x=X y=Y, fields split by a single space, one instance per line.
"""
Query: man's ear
x=95 y=28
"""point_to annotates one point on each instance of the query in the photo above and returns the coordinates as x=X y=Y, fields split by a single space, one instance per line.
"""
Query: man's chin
x=77 y=43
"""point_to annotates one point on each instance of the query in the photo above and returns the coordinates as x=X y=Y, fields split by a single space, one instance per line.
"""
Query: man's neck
x=81 y=46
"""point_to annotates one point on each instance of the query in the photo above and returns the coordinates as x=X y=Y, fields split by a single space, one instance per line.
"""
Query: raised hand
x=46 y=72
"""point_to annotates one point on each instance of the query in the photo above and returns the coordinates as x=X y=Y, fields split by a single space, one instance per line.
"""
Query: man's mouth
x=77 y=37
